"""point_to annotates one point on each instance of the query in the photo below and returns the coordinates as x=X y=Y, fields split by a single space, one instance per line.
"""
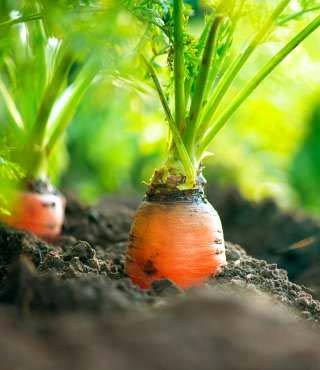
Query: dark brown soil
x=265 y=231
x=70 y=305
x=207 y=330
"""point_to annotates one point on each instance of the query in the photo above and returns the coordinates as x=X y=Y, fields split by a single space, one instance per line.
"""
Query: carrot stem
x=297 y=15
x=37 y=40
x=179 y=65
x=159 y=89
x=22 y=19
x=201 y=83
x=53 y=89
x=200 y=46
x=72 y=97
x=236 y=66
x=179 y=144
x=11 y=106
x=40 y=126
x=256 y=81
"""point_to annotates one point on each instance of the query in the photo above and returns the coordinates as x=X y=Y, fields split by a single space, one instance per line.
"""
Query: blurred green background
x=271 y=147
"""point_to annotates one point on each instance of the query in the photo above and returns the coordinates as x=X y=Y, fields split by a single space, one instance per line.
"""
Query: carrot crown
x=203 y=69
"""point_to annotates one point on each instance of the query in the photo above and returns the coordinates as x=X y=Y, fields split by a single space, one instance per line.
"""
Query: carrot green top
x=203 y=69
x=36 y=89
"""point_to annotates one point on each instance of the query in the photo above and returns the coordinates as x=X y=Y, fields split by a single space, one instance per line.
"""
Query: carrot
x=41 y=214
x=177 y=240
x=182 y=239
x=32 y=135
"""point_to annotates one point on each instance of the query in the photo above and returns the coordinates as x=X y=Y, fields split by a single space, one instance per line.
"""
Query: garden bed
x=70 y=305
x=291 y=240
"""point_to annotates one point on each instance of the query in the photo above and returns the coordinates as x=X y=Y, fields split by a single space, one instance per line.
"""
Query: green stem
x=39 y=169
x=22 y=19
x=200 y=46
x=255 y=82
x=179 y=145
x=201 y=84
x=297 y=15
x=187 y=90
x=37 y=40
x=39 y=128
x=36 y=144
x=235 y=68
x=11 y=106
x=159 y=89
x=74 y=94
x=220 y=61
x=179 y=66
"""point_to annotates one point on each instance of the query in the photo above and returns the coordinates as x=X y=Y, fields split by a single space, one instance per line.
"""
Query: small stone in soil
x=165 y=287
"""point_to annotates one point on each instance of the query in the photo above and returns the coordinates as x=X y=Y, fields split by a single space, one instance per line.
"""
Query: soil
x=71 y=305
x=291 y=240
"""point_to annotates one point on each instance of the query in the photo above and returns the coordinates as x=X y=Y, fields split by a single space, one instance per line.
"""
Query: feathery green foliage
x=42 y=80
x=199 y=72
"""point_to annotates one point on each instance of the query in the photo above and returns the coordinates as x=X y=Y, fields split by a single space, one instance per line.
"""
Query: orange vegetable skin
x=41 y=214
x=180 y=241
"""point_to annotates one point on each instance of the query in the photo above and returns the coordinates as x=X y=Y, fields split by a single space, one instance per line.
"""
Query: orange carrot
x=41 y=214
x=176 y=240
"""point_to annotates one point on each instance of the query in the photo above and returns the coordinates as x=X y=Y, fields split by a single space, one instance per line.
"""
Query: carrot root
x=41 y=214
x=180 y=241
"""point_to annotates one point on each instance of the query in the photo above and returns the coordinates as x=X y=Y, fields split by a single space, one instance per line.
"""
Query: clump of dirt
x=265 y=231
x=70 y=275
x=259 y=276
